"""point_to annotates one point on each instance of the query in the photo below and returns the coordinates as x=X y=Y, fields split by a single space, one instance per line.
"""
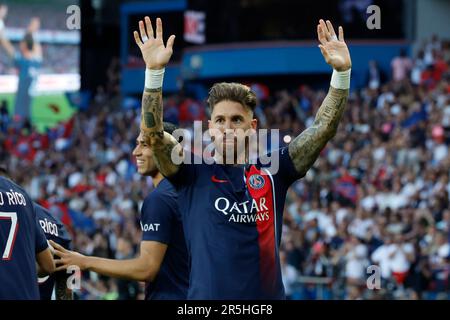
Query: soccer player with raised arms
x=232 y=213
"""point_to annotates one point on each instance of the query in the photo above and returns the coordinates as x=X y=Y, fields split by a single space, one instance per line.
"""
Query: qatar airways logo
x=243 y=212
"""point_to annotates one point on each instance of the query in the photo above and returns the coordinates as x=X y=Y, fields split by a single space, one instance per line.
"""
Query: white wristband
x=341 y=79
x=2 y=24
x=154 y=78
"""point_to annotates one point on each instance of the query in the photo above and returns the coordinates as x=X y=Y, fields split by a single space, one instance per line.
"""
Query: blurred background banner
x=194 y=27
x=379 y=194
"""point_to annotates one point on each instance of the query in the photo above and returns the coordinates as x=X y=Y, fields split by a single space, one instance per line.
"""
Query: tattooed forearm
x=152 y=129
x=149 y=119
x=152 y=109
x=305 y=149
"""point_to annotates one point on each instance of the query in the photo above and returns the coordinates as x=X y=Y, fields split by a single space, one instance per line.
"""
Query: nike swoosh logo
x=214 y=179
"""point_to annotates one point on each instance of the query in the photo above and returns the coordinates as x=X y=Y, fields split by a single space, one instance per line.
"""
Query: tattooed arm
x=305 y=148
x=156 y=57
x=162 y=143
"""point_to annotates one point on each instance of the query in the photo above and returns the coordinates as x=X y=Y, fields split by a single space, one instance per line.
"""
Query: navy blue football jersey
x=161 y=222
x=232 y=218
x=53 y=230
x=21 y=238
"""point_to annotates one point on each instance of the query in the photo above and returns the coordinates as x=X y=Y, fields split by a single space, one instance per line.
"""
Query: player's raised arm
x=4 y=42
x=156 y=57
x=305 y=148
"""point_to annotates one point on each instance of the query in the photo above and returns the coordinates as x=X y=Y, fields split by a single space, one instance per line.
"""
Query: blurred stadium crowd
x=378 y=195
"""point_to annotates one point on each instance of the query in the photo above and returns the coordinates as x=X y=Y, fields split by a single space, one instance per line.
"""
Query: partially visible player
x=163 y=259
x=22 y=243
x=3 y=13
x=54 y=230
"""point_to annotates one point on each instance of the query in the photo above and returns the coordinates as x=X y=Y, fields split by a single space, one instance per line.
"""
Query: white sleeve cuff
x=341 y=79
x=154 y=78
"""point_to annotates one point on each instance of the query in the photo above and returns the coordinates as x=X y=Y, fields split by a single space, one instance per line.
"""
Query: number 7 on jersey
x=11 y=235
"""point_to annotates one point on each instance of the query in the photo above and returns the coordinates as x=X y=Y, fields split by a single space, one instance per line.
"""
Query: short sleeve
x=41 y=240
x=157 y=216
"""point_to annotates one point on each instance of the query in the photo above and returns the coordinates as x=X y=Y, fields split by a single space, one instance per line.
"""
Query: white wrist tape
x=154 y=78
x=2 y=24
x=341 y=79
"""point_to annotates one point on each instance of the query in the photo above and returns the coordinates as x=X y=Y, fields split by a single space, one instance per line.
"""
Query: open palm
x=155 y=54
x=333 y=49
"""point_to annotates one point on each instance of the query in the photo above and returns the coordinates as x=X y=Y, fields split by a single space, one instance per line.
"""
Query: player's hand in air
x=155 y=54
x=333 y=49
x=3 y=13
x=67 y=258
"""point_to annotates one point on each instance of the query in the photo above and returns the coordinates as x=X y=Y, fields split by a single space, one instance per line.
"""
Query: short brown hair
x=231 y=91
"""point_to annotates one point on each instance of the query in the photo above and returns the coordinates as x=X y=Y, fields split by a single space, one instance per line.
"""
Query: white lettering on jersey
x=249 y=218
x=150 y=227
x=49 y=227
x=14 y=198
x=244 y=212
x=227 y=204
x=235 y=208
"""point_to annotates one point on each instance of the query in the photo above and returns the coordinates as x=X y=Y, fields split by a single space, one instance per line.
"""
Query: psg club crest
x=256 y=181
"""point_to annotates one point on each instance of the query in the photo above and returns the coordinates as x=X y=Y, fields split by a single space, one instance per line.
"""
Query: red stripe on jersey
x=260 y=188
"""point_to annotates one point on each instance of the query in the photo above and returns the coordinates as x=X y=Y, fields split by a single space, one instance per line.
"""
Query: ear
x=254 y=123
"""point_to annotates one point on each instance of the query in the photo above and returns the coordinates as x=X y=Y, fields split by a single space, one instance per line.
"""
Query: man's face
x=230 y=122
x=144 y=157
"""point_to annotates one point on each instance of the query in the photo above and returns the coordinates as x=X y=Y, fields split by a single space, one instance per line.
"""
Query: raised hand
x=3 y=13
x=155 y=54
x=333 y=49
